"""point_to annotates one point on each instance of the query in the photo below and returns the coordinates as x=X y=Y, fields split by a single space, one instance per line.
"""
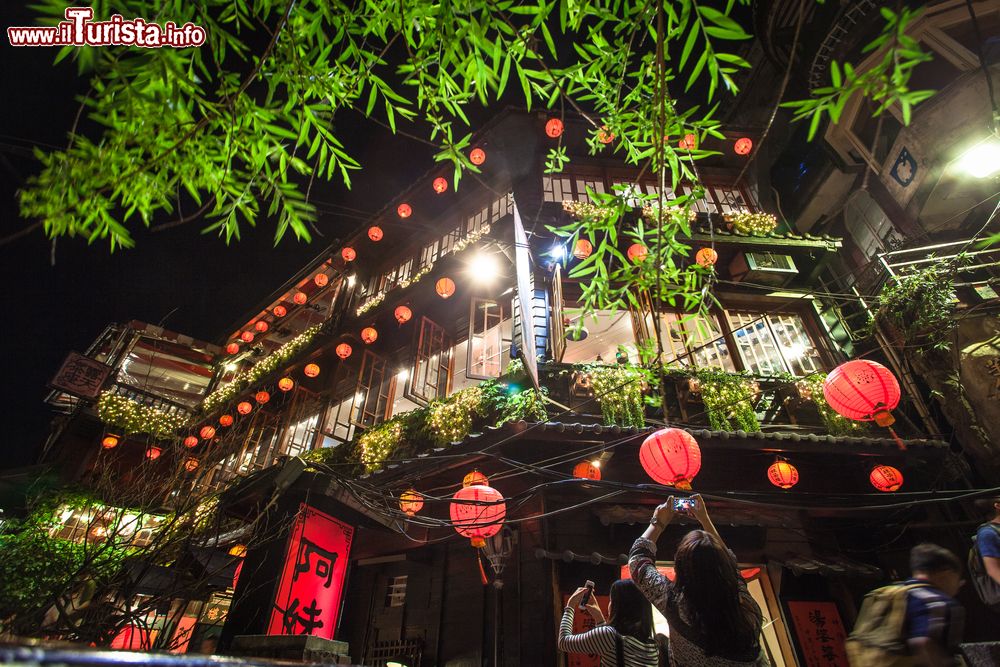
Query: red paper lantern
x=279 y=311
x=477 y=156
x=244 y=408
x=300 y=298
x=445 y=287
x=475 y=478
x=286 y=384
x=706 y=257
x=886 y=478
x=404 y=211
x=743 y=146
x=440 y=185
x=207 y=432
x=260 y=325
x=637 y=252
x=348 y=254
x=554 y=128
x=411 y=502
x=671 y=456
x=403 y=314
x=375 y=233
x=344 y=350
x=369 y=335
x=586 y=470
x=477 y=512
x=783 y=474
x=153 y=452
x=604 y=135
x=247 y=336
x=862 y=390
x=688 y=143
x=191 y=441
x=232 y=348
x=311 y=370
x=321 y=279
x=262 y=397
x=191 y=464
x=109 y=441
x=582 y=249
x=226 y=420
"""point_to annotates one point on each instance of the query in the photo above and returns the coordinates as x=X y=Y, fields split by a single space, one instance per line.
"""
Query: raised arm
x=700 y=513
x=598 y=640
x=642 y=557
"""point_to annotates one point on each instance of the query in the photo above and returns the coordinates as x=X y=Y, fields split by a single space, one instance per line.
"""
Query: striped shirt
x=602 y=641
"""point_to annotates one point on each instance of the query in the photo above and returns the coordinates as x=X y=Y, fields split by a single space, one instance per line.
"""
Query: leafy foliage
x=811 y=386
x=728 y=398
x=121 y=412
x=618 y=390
x=920 y=305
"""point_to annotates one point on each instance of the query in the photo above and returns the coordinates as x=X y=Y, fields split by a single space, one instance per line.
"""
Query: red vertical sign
x=820 y=633
x=312 y=579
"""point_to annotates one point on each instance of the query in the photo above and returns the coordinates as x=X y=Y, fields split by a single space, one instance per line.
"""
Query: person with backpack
x=984 y=559
x=625 y=640
x=915 y=622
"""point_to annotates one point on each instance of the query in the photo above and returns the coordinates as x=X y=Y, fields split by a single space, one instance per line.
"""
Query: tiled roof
x=721 y=233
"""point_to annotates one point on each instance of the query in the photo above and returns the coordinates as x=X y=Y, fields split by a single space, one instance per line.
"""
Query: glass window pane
x=606 y=331
x=799 y=352
x=486 y=345
x=432 y=363
x=756 y=344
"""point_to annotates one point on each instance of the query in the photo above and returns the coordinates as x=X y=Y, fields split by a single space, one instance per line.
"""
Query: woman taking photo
x=626 y=640
x=714 y=622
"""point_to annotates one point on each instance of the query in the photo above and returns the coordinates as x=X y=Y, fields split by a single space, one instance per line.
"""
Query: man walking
x=984 y=558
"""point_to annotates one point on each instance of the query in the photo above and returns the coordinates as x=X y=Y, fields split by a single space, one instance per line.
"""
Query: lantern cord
x=899 y=443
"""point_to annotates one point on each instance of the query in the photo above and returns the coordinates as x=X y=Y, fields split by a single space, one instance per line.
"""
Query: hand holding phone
x=684 y=505
x=586 y=596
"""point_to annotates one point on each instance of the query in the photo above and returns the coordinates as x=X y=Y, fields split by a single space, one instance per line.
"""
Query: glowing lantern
x=247 y=336
x=403 y=314
x=153 y=452
x=554 y=128
x=262 y=397
x=586 y=470
x=582 y=249
x=349 y=254
x=445 y=287
x=191 y=464
x=344 y=350
x=279 y=311
x=477 y=512
x=886 y=478
x=637 y=252
x=321 y=279
x=671 y=456
x=244 y=408
x=369 y=335
x=191 y=441
x=862 y=390
x=783 y=474
x=688 y=143
x=286 y=384
x=109 y=442
x=232 y=348
x=260 y=325
x=743 y=146
x=375 y=233
x=311 y=370
x=440 y=185
x=300 y=298
x=477 y=156
x=238 y=550
x=475 y=478
x=411 y=502
x=226 y=420
x=207 y=432
x=706 y=257
x=604 y=135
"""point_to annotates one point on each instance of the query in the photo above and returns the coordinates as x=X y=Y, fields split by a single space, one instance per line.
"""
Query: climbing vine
x=728 y=399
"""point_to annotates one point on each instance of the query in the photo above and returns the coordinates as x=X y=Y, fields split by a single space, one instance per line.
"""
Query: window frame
x=430 y=337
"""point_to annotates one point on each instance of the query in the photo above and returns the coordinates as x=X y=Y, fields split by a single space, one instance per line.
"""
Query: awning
x=829 y=566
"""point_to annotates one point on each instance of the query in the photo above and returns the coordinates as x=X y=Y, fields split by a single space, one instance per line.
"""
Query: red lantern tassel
x=900 y=443
x=482 y=572
x=683 y=485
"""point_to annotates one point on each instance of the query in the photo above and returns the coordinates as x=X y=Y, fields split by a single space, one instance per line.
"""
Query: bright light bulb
x=350 y=280
x=483 y=267
x=596 y=463
x=982 y=160
x=231 y=366
x=558 y=251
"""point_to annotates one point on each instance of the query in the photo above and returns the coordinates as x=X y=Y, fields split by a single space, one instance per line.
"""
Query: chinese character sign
x=583 y=622
x=820 y=633
x=312 y=579
x=81 y=376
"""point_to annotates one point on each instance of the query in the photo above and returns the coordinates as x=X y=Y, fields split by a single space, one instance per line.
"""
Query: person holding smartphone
x=626 y=640
x=714 y=622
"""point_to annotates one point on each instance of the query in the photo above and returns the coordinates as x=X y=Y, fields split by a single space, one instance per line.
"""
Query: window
x=449 y=240
x=770 y=344
x=486 y=350
x=373 y=394
x=605 y=333
x=559 y=188
x=432 y=364
x=429 y=254
x=300 y=432
x=869 y=226
x=395 y=592
x=691 y=340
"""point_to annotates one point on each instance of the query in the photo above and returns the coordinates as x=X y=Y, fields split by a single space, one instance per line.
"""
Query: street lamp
x=982 y=160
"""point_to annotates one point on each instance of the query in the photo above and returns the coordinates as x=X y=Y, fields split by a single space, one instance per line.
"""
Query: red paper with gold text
x=582 y=622
x=820 y=633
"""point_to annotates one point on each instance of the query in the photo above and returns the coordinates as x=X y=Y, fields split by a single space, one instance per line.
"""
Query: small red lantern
x=582 y=249
x=477 y=156
x=279 y=311
x=311 y=370
x=477 y=512
x=706 y=257
x=247 y=336
x=349 y=254
x=886 y=478
x=586 y=470
x=109 y=441
x=445 y=287
x=403 y=314
x=191 y=464
x=671 y=456
x=226 y=420
x=262 y=397
x=862 y=390
x=404 y=211
x=238 y=550
x=244 y=407
x=375 y=233
x=191 y=441
x=344 y=350
x=232 y=348
x=440 y=185
x=411 y=502
x=688 y=143
x=554 y=128
x=300 y=298
x=260 y=325
x=369 y=335
x=743 y=146
x=207 y=432
x=321 y=279
x=637 y=253
x=286 y=384
x=783 y=474
x=475 y=478
x=604 y=135
x=153 y=452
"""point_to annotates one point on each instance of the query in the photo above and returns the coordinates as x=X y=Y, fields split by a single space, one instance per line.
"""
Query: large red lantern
x=403 y=314
x=586 y=470
x=344 y=350
x=244 y=407
x=743 y=146
x=153 y=452
x=375 y=233
x=321 y=279
x=280 y=311
x=440 y=185
x=886 y=478
x=862 y=390
x=300 y=298
x=688 y=143
x=411 y=502
x=554 y=128
x=782 y=474
x=637 y=252
x=109 y=441
x=247 y=336
x=404 y=211
x=311 y=370
x=671 y=456
x=477 y=156
x=604 y=135
x=286 y=384
x=232 y=348
x=260 y=325
x=349 y=254
x=582 y=249
x=369 y=335
x=262 y=397
x=207 y=432
x=475 y=478
x=706 y=257
x=445 y=287
x=191 y=441
x=226 y=420
x=477 y=512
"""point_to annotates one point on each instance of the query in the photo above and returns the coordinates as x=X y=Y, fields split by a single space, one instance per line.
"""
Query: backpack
x=877 y=638
x=987 y=589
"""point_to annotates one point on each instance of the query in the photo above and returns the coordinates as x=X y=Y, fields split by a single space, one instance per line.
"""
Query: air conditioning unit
x=762 y=267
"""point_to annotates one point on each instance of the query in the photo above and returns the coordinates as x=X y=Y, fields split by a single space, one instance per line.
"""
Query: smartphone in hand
x=683 y=505
x=586 y=596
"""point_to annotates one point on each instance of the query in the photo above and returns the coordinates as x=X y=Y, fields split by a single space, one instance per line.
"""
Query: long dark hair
x=631 y=613
x=722 y=613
